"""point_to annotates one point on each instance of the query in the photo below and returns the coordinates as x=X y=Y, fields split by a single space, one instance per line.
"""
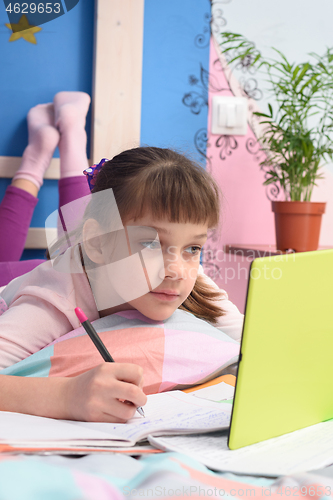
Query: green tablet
x=285 y=373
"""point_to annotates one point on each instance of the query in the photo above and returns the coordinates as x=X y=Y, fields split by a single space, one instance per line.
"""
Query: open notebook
x=166 y=413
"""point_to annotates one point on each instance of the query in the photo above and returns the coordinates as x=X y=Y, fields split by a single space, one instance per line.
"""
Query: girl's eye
x=152 y=245
x=194 y=250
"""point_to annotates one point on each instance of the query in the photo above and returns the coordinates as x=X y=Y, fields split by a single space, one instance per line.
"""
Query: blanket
x=119 y=477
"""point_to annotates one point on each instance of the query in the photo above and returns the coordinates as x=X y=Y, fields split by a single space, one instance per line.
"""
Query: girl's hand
x=95 y=395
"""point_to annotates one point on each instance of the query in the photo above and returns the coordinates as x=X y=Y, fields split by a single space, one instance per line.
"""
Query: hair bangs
x=173 y=193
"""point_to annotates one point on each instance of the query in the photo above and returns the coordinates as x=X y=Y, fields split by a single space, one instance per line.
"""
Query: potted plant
x=297 y=137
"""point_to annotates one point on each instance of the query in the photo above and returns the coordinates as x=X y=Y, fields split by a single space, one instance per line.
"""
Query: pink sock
x=43 y=139
x=70 y=110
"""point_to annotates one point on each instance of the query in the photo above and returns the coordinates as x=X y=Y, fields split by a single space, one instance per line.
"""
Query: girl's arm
x=38 y=307
x=92 y=396
x=27 y=326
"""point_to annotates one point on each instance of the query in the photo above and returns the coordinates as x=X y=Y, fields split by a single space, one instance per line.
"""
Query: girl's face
x=181 y=244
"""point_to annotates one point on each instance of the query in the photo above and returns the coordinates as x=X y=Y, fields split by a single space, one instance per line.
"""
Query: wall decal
x=200 y=142
x=197 y=99
x=203 y=39
x=24 y=30
x=217 y=19
x=228 y=144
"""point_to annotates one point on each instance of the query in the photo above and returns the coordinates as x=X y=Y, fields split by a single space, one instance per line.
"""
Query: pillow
x=177 y=353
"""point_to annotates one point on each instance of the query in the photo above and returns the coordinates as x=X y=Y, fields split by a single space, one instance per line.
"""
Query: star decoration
x=24 y=30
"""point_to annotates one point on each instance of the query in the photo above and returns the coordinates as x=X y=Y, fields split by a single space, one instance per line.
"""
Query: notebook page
x=170 y=413
x=302 y=450
x=25 y=429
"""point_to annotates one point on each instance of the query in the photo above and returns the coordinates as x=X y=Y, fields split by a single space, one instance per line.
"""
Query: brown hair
x=169 y=185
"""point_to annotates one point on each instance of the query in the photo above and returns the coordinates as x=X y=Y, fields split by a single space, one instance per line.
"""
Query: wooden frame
x=116 y=96
x=117 y=77
x=10 y=164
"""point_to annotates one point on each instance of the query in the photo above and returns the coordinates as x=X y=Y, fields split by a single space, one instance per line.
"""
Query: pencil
x=98 y=343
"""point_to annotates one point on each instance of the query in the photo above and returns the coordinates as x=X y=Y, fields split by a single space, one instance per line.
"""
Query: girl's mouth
x=165 y=295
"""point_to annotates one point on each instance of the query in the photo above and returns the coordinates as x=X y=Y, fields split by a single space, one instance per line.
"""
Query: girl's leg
x=43 y=138
x=70 y=109
x=72 y=188
x=16 y=211
x=18 y=204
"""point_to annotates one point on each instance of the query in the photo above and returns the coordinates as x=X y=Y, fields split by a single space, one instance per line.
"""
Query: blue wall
x=176 y=46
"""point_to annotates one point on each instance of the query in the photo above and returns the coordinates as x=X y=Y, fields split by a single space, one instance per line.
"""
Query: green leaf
x=296 y=70
x=302 y=73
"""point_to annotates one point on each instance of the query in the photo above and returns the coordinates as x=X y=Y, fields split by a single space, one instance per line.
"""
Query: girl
x=153 y=188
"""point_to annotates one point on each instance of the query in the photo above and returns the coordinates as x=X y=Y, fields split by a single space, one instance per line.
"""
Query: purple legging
x=16 y=210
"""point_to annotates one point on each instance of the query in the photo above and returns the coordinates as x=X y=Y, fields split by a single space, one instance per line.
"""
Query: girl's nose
x=174 y=267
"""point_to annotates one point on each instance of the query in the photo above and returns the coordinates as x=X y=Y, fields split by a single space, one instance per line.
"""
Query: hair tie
x=91 y=172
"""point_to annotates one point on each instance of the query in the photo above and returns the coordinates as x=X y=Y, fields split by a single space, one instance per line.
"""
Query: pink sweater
x=38 y=307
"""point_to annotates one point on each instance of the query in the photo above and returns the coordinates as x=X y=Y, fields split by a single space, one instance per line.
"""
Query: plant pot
x=297 y=224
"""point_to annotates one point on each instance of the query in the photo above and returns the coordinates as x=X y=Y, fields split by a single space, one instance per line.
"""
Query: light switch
x=222 y=115
x=229 y=115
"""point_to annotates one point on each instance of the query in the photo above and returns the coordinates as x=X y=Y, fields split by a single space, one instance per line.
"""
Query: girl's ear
x=92 y=241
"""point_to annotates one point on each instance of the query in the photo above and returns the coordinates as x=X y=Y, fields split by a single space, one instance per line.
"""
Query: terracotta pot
x=297 y=224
